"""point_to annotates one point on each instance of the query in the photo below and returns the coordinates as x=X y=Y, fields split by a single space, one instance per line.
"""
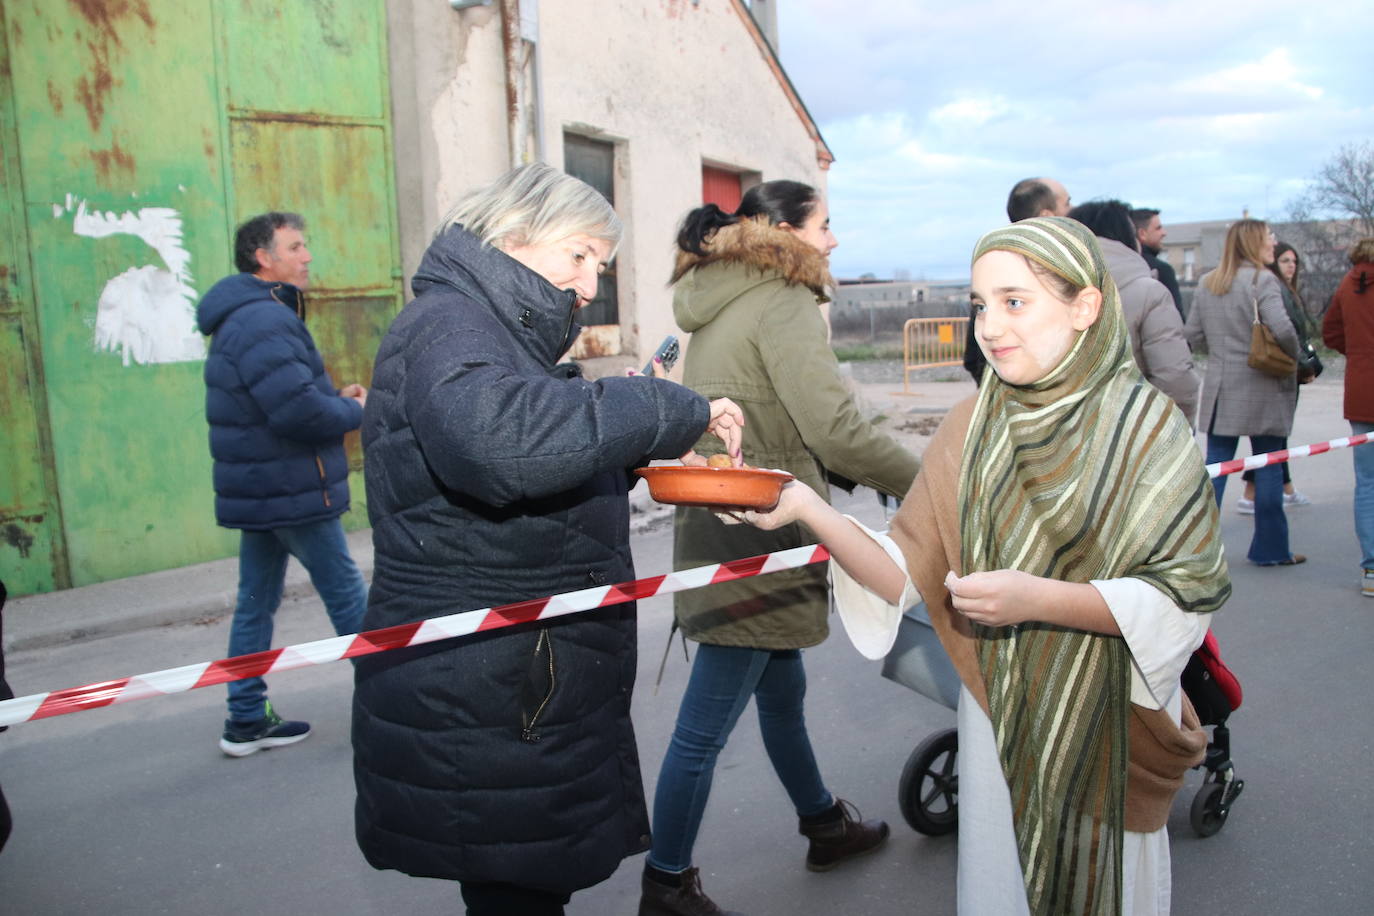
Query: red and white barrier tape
x=1267 y=458
x=323 y=651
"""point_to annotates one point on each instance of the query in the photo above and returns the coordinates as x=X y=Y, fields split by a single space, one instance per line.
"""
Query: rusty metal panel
x=311 y=133
x=31 y=558
x=322 y=56
x=143 y=131
x=28 y=562
x=596 y=340
x=347 y=329
x=326 y=171
x=119 y=127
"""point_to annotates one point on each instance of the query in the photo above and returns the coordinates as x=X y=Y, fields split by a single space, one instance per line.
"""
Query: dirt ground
x=909 y=413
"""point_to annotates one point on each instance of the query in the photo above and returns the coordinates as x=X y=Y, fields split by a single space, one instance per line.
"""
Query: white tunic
x=1160 y=636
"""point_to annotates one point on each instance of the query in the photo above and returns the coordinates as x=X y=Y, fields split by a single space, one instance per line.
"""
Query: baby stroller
x=928 y=791
x=1215 y=694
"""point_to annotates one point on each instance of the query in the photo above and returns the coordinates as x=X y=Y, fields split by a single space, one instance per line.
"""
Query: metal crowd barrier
x=930 y=342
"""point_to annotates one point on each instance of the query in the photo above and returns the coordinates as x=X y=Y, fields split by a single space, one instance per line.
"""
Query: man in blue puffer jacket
x=281 y=476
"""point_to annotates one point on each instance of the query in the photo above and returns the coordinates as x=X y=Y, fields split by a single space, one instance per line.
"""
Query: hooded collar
x=237 y=290
x=538 y=315
x=770 y=250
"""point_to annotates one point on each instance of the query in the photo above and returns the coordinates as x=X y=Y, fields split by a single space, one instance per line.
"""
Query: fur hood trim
x=755 y=243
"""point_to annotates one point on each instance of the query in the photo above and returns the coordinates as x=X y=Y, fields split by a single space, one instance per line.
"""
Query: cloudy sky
x=934 y=109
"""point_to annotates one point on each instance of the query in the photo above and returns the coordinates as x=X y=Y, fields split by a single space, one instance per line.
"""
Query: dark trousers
x=511 y=899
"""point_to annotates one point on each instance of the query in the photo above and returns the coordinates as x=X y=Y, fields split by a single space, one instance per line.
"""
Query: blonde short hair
x=535 y=204
x=1362 y=252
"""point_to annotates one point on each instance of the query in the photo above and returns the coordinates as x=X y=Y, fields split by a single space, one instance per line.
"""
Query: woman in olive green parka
x=748 y=286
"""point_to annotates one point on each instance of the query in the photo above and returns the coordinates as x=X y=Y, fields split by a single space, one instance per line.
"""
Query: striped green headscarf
x=1088 y=473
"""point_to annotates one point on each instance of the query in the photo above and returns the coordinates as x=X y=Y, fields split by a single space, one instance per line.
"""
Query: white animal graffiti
x=146 y=313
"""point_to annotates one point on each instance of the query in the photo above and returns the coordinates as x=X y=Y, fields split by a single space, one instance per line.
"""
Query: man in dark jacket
x=1151 y=232
x=281 y=475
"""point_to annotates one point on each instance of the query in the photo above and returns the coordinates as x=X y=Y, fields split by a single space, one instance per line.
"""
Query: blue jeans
x=723 y=679
x=1269 y=544
x=1364 y=493
x=322 y=549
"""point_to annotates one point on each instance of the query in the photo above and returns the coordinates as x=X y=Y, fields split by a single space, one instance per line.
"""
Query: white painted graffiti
x=146 y=313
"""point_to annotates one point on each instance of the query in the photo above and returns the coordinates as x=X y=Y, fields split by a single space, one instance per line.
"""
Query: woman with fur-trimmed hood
x=747 y=287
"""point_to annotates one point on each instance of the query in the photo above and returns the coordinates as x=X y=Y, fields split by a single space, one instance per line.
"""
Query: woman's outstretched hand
x=727 y=425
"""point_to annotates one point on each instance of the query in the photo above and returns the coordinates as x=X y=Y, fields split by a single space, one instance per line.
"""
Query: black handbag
x=1309 y=363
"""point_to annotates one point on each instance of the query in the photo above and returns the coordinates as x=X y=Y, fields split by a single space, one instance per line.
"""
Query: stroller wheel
x=929 y=788
x=1208 y=814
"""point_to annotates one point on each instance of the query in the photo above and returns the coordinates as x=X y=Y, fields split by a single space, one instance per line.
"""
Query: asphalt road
x=133 y=810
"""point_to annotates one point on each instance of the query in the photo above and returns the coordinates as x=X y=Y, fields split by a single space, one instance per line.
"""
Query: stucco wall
x=671 y=82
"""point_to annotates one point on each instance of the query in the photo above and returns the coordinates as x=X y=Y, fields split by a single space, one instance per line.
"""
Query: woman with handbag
x=1239 y=318
x=1285 y=266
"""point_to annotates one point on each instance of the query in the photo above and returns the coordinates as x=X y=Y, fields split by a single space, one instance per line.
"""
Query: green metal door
x=309 y=130
x=30 y=528
x=145 y=132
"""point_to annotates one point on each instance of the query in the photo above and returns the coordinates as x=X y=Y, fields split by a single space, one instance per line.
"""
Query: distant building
x=1194 y=249
x=924 y=299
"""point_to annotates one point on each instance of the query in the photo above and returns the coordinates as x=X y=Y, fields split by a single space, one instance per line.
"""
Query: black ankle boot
x=687 y=899
x=838 y=835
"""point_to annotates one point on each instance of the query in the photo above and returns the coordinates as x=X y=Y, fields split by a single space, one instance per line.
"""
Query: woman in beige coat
x=747 y=287
x=1236 y=399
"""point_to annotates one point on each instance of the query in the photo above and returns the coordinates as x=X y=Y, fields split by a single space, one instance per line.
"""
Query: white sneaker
x=1295 y=499
x=1367 y=585
x=1245 y=506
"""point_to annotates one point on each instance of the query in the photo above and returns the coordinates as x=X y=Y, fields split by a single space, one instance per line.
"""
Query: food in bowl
x=715 y=487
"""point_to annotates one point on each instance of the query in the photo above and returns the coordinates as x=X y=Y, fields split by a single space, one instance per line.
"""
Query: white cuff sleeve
x=1161 y=637
x=869 y=620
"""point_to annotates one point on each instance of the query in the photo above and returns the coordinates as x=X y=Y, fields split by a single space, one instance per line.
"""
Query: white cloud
x=969 y=112
x=935 y=110
x=1273 y=74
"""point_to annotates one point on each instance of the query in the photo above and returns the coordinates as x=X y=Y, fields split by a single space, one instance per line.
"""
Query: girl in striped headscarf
x=1064 y=536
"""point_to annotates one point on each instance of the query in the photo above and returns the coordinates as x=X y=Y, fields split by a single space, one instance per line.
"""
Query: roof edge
x=824 y=157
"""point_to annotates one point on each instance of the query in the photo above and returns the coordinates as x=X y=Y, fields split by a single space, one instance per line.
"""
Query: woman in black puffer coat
x=507 y=760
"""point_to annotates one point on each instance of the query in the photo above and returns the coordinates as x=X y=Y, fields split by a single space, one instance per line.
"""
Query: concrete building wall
x=673 y=85
x=849 y=296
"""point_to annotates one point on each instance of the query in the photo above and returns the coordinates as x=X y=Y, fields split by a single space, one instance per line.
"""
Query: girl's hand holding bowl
x=793 y=502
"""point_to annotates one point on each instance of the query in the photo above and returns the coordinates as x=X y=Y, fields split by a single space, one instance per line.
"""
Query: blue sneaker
x=244 y=738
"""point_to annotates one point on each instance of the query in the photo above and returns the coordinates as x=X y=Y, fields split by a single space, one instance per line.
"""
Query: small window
x=1189 y=264
x=593 y=161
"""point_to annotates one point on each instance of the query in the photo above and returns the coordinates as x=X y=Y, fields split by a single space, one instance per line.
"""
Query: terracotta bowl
x=715 y=488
